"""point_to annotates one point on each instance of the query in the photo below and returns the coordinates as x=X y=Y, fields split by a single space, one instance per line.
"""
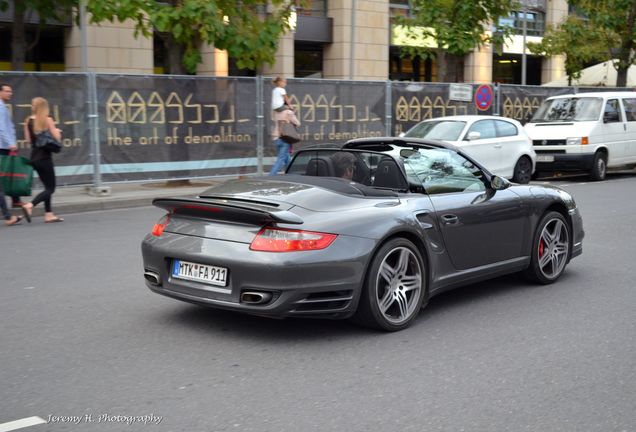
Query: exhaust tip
x=255 y=297
x=151 y=277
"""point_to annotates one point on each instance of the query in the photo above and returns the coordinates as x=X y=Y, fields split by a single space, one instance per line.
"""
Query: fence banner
x=67 y=96
x=176 y=127
x=520 y=102
x=334 y=111
x=416 y=101
x=161 y=127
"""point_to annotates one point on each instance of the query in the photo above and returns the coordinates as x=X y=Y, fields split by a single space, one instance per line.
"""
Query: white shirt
x=277 y=97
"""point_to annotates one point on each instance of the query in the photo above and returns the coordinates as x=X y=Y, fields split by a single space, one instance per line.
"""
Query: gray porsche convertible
x=368 y=230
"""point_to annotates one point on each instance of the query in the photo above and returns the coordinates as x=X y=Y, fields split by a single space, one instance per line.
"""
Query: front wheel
x=550 y=249
x=523 y=171
x=394 y=288
x=599 y=167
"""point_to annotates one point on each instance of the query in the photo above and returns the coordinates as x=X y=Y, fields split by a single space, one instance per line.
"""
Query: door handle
x=449 y=219
x=498 y=146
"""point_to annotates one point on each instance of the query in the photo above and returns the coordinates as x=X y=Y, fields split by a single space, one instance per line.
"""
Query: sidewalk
x=76 y=199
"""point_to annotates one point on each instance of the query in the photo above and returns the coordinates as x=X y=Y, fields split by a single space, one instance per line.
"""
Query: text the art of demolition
x=225 y=135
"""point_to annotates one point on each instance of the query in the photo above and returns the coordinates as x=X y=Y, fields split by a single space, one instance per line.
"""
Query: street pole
x=354 y=5
x=523 y=54
x=93 y=117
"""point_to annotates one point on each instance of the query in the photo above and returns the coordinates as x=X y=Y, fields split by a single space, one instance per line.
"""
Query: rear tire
x=394 y=288
x=523 y=171
x=599 y=167
x=550 y=249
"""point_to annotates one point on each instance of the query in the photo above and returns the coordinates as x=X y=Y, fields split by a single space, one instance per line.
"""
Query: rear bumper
x=565 y=162
x=305 y=284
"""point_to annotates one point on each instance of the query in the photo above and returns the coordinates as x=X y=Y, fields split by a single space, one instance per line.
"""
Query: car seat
x=389 y=175
x=320 y=166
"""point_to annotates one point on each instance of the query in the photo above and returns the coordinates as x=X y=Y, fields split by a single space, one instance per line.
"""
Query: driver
x=344 y=164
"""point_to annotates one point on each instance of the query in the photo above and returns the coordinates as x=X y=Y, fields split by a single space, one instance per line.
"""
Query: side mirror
x=401 y=134
x=499 y=183
x=474 y=135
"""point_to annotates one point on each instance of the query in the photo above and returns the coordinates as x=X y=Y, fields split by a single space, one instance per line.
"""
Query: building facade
x=332 y=39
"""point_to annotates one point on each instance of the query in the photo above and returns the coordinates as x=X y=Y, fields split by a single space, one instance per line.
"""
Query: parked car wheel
x=550 y=250
x=599 y=167
x=395 y=287
x=523 y=171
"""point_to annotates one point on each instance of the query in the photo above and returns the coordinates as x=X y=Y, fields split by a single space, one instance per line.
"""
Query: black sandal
x=27 y=215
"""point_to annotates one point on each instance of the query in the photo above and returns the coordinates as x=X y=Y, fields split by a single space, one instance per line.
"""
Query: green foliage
x=580 y=42
x=242 y=28
x=456 y=25
x=607 y=27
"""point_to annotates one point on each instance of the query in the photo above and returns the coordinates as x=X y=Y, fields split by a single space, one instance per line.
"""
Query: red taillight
x=157 y=230
x=285 y=240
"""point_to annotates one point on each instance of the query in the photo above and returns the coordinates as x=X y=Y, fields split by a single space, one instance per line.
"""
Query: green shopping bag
x=16 y=174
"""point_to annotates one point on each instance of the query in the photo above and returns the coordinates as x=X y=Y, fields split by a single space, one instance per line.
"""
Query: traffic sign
x=484 y=97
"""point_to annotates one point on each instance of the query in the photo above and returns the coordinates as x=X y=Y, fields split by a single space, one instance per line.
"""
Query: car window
x=612 y=112
x=443 y=171
x=505 y=129
x=630 y=109
x=485 y=127
x=568 y=109
x=446 y=130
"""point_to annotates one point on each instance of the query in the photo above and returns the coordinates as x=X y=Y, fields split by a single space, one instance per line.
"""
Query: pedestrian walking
x=281 y=112
x=41 y=158
x=9 y=219
x=8 y=142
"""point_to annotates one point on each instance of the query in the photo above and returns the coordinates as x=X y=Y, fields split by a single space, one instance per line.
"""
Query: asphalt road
x=87 y=347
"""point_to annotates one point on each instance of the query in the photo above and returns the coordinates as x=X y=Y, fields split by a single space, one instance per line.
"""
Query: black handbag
x=288 y=132
x=45 y=140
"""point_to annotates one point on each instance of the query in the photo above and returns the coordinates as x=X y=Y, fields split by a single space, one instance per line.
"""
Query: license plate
x=545 y=158
x=200 y=273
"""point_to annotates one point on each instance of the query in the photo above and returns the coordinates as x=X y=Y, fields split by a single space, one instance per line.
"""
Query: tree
x=46 y=9
x=613 y=22
x=580 y=42
x=241 y=27
x=456 y=26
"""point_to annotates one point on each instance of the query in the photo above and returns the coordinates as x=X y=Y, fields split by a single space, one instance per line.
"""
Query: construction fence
x=123 y=128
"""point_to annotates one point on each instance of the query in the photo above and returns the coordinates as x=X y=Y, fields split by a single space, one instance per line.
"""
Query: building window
x=317 y=8
x=506 y=69
x=308 y=61
x=46 y=55
x=406 y=68
x=535 y=22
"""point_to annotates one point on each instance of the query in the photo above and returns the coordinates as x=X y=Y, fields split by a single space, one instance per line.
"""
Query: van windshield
x=569 y=109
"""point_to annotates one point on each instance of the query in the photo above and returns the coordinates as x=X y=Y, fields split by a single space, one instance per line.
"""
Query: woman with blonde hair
x=40 y=121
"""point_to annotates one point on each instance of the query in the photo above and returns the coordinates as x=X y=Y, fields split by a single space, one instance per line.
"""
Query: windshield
x=569 y=109
x=437 y=170
x=445 y=130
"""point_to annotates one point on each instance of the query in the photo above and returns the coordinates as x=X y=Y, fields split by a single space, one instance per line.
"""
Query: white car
x=500 y=144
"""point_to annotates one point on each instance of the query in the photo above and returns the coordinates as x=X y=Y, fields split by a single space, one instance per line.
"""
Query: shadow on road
x=248 y=327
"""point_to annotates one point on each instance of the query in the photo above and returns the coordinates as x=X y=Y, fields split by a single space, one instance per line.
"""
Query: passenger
x=344 y=164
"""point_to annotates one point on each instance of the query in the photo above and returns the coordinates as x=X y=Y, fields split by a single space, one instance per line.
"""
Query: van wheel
x=599 y=167
x=523 y=171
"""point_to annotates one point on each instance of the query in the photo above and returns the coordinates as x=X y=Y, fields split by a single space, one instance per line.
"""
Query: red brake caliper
x=541 y=248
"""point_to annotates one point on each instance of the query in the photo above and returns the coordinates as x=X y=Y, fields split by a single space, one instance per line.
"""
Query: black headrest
x=389 y=175
x=320 y=166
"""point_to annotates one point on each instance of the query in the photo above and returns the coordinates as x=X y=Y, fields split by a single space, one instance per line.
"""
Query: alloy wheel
x=553 y=247
x=399 y=285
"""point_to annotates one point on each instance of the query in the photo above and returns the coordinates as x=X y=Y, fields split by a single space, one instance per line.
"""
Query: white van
x=585 y=132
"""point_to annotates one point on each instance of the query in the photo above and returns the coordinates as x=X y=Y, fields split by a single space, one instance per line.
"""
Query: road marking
x=22 y=423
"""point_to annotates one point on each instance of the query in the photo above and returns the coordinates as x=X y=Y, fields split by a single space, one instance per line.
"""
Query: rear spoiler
x=221 y=210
